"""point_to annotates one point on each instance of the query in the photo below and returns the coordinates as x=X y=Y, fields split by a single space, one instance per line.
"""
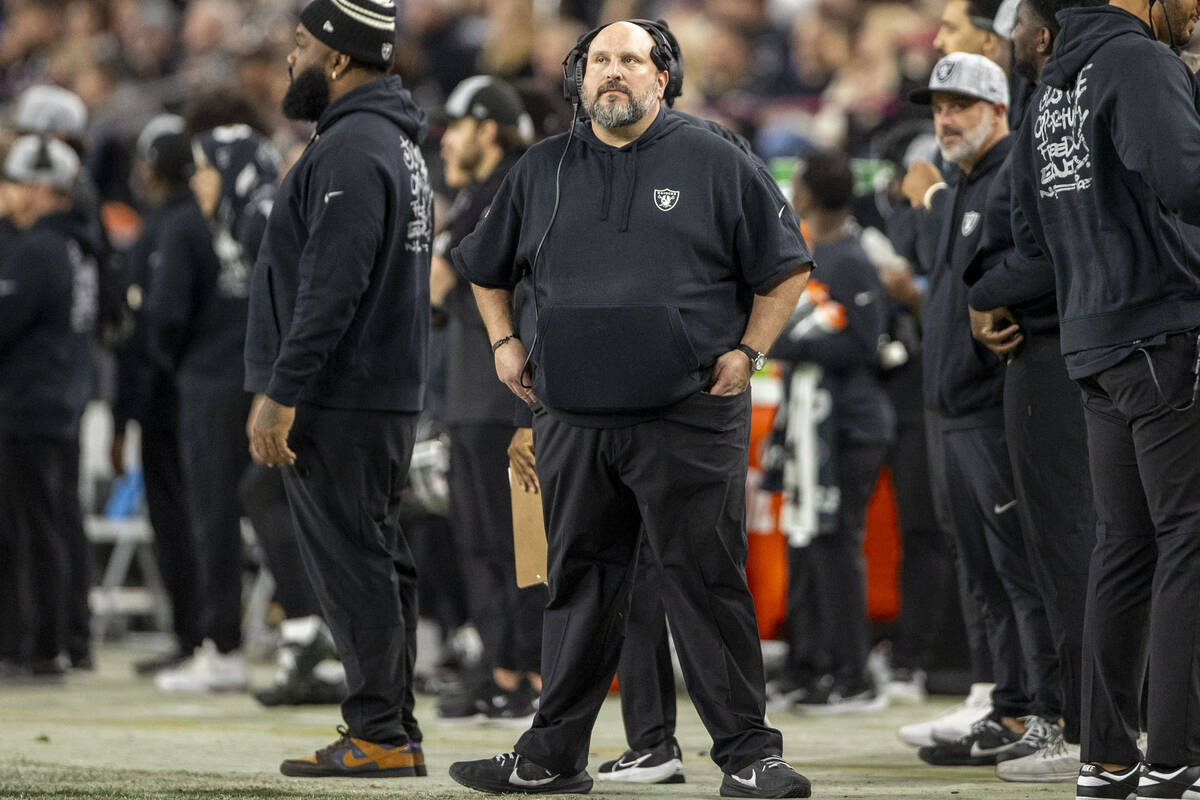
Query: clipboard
x=529 y=535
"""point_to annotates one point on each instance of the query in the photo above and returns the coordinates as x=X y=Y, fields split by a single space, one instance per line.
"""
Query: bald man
x=664 y=262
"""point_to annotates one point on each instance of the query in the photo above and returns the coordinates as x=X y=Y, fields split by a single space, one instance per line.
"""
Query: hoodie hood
x=625 y=158
x=386 y=97
x=1083 y=32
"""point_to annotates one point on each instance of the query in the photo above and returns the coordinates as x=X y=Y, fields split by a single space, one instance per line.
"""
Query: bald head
x=621 y=83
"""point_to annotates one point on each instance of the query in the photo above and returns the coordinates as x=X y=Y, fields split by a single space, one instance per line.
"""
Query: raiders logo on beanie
x=365 y=30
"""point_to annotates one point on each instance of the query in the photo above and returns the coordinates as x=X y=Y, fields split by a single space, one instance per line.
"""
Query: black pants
x=34 y=566
x=265 y=501
x=992 y=548
x=344 y=491
x=684 y=477
x=927 y=574
x=1047 y=442
x=644 y=673
x=170 y=517
x=213 y=439
x=827 y=588
x=1144 y=587
x=979 y=648
x=79 y=559
x=508 y=619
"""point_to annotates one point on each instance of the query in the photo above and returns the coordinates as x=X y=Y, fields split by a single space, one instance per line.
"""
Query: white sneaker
x=906 y=687
x=206 y=671
x=1056 y=762
x=954 y=723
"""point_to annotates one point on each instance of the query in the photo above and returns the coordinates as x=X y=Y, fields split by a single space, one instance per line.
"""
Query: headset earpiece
x=664 y=53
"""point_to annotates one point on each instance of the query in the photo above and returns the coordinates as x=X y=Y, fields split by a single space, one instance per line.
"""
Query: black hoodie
x=339 y=297
x=650 y=268
x=48 y=308
x=1106 y=175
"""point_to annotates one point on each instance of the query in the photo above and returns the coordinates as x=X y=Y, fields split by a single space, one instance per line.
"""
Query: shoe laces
x=1055 y=747
x=343 y=739
x=771 y=762
x=1038 y=732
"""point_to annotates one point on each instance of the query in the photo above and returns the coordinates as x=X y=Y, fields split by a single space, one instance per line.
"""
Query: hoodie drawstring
x=608 y=178
x=632 y=184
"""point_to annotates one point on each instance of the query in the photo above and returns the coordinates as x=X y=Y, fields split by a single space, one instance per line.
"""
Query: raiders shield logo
x=944 y=71
x=666 y=199
x=970 y=222
x=386 y=51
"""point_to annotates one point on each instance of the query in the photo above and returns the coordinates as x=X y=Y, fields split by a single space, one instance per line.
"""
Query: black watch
x=757 y=359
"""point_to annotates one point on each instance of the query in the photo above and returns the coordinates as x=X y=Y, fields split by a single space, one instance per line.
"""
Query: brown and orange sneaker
x=350 y=757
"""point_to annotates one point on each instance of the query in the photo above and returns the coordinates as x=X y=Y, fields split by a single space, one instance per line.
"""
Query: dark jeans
x=644 y=673
x=508 y=618
x=1144 y=588
x=265 y=501
x=212 y=422
x=345 y=494
x=170 y=517
x=682 y=476
x=992 y=548
x=1047 y=442
x=34 y=564
x=827 y=588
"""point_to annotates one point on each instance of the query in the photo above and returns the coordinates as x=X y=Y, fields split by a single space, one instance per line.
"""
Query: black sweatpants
x=34 y=565
x=1047 y=442
x=344 y=491
x=265 y=501
x=170 y=517
x=991 y=545
x=684 y=477
x=927 y=574
x=508 y=618
x=79 y=558
x=827 y=586
x=212 y=422
x=1144 y=588
x=644 y=673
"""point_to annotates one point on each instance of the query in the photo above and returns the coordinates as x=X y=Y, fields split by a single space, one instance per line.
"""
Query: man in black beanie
x=336 y=354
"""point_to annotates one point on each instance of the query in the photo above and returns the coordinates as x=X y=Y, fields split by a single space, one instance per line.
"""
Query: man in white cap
x=48 y=303
x=963 y=388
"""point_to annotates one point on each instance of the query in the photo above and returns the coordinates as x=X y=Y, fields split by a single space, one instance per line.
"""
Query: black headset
x=665 y=54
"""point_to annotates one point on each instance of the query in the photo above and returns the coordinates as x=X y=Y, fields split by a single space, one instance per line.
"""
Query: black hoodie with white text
x=1107 y=176
x=339 y=295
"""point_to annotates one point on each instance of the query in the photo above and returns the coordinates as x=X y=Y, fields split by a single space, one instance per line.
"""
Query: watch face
x=759 y=362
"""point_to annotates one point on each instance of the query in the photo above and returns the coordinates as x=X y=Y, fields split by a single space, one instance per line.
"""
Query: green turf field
x=110 y=735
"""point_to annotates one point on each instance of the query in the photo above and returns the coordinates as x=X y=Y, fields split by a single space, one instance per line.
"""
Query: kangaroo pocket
x=600 y=359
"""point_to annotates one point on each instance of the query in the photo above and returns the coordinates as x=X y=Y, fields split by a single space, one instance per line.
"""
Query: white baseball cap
x=42 y=160
x=50 y=109
x=966 y=74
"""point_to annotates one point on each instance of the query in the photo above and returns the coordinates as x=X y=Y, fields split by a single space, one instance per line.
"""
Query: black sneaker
x=986 y=741
x=1097 y=782
x=662 y=763
x=1038 y=733
x=767 y=777
x=512 y=708
x=1171 y=782
x=508 y=773
x=308 y=690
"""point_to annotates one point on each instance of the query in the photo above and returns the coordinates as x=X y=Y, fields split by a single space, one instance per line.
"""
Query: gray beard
x=620 y=115
x=970 y=144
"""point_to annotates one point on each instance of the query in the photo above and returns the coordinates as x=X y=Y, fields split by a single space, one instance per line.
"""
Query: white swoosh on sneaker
x=517 y=780
x=749 y=783
x=621 y=764
x=977 y=751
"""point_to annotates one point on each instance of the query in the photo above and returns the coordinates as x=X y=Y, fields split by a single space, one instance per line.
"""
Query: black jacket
x=48 y=308
x=961 y=375
x=850 y=357
x=196 y=308
x=650 y=268
x=1106 y=176
x=473 y=394
x=339 y=299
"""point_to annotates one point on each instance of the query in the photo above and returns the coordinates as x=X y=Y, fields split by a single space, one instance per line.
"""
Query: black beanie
x=365 y=30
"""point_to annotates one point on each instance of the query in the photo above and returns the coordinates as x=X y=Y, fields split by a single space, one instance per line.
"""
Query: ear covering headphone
x=665 y=54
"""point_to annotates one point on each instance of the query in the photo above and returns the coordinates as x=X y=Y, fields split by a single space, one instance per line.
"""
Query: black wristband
x=496 y=345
